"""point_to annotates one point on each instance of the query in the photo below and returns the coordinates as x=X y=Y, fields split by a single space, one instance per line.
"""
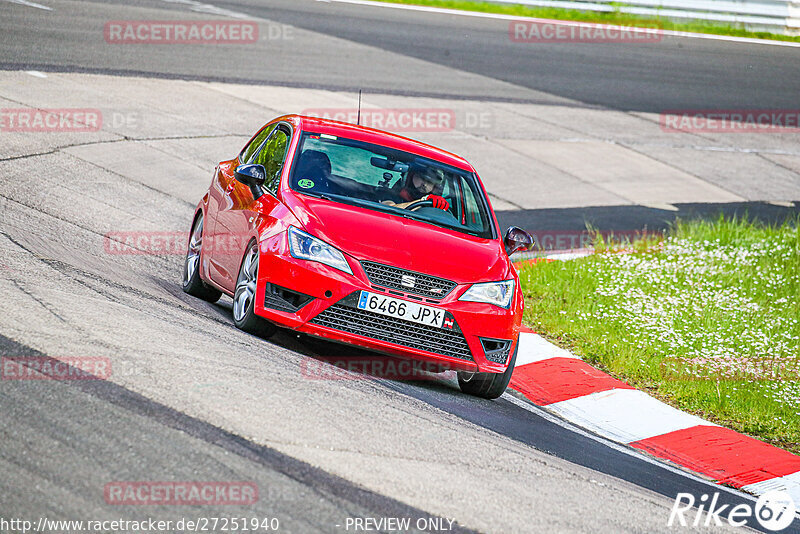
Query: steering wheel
x=420 y=204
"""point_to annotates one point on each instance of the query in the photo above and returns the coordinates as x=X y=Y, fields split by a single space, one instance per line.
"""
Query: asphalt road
x=63 y=442
x=192 y=398
x=400 y=51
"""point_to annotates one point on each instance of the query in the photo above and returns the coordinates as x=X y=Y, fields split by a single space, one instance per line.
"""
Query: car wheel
x=244 y=297
x=192 y=283
x=487 y=385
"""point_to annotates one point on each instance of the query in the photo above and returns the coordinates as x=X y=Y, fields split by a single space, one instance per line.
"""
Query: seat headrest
x=314 y=160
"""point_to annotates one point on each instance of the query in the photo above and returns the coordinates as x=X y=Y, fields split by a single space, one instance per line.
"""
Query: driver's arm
x=438 y=202
x=403 y=205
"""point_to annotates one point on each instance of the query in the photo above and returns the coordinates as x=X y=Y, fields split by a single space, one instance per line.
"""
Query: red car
x=361 y=236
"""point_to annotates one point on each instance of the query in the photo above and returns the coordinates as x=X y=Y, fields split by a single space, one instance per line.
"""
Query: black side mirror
x=253 y=176
x=517 y=239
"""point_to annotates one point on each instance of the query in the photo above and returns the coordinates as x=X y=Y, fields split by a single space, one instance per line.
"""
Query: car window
x=352 y=162
x=271 y=156
x=250 y=149
x=472 y=217
x=379 y=178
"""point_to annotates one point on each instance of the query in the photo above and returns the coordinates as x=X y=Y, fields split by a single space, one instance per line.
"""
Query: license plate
x=401 y=309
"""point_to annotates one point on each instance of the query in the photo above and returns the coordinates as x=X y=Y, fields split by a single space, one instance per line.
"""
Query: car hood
x=405 y=243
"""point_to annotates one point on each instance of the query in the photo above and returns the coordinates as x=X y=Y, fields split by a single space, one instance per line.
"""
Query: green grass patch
x=707 y=319
x=613 y=17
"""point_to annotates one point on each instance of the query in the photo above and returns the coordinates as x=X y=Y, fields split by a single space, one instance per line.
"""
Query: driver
x=420 y=185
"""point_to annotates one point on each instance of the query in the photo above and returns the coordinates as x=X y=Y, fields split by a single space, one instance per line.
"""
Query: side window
x=251 y=148
x=272 y=156
x=472 y=216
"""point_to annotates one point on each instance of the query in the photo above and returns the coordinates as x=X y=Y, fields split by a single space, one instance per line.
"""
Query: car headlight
x=307 y=247
x=497 y=293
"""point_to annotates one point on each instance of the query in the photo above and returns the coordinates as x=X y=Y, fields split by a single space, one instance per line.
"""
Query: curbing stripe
x=722 y=454
x=789 y=483
x=625 y=415
x=560 y=379
x=535 y=348
x=545 y=372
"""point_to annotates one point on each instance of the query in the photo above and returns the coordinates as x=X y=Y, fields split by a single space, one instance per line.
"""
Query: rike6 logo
x=774 y=510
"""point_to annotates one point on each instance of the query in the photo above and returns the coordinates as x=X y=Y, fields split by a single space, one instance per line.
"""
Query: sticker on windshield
x=305 y=183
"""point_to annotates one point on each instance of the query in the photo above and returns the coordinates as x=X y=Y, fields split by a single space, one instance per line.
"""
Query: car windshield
x=391 y=181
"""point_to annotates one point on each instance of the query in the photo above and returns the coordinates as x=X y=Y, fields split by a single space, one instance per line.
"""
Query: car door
x=218 y=196
x=235 y=215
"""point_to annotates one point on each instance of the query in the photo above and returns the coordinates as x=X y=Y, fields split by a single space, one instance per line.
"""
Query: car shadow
x=340 y=361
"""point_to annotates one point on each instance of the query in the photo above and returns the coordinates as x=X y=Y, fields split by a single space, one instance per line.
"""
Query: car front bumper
x=321 y=301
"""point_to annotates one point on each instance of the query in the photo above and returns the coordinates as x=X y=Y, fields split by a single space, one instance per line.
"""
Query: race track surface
x=190 y=397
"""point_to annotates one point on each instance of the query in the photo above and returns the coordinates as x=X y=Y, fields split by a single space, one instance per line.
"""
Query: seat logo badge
x=407 y=281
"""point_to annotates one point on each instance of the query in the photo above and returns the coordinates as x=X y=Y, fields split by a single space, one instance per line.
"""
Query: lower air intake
x=448 y=342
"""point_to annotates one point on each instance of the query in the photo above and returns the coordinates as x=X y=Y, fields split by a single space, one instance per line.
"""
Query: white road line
x=660 y=206
x=30 y=4
x=200 y=7
x=36 y=73
x=544 y=414
x=625 y=415
x=498 y=16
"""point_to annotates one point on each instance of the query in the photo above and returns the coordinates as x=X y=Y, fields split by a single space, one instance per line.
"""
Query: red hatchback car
x=361 y=236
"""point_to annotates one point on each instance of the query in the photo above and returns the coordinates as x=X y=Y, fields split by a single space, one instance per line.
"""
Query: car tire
x=487 y=385
x=244 y=297
x=192 y=283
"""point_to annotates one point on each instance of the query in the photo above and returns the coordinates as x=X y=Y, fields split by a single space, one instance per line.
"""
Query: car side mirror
x=517 y=239
x=253 y=176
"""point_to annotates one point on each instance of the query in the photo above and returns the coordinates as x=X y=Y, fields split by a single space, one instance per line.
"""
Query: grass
x=613 y=17
x=707 y=319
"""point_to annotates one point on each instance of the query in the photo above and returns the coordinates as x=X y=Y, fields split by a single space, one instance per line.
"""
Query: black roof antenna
x=358 y=120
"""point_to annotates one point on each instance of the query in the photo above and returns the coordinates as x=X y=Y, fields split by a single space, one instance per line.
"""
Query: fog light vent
x=496 y=350
x=280 y=298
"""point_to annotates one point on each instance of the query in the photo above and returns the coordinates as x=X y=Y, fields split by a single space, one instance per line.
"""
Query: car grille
x=409 y=334
x=392 y=277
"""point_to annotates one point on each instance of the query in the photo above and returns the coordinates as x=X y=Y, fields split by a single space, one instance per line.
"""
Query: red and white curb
x=562 y=383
